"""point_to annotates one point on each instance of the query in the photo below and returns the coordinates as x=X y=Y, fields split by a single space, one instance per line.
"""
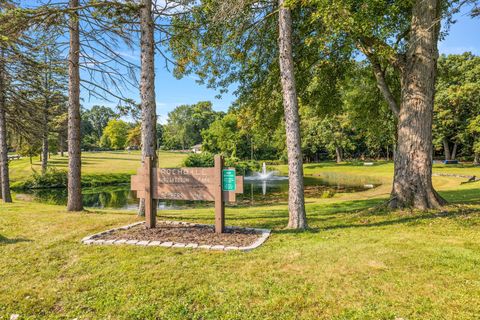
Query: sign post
x=219 y=204
x=150 y=207
x=202 y=184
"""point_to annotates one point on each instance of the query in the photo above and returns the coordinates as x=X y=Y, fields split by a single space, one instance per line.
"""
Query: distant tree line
x=359 y=126
x=103 y=129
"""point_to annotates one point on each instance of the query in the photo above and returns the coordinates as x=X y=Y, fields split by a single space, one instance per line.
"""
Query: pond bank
x=119 y=196
x=58 y=180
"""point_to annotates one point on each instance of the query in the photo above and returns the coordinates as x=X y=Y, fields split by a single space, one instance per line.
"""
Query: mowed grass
x=95 y=163
x=357 y=261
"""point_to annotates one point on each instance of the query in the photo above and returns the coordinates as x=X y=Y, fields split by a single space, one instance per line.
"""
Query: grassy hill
x=116 y=166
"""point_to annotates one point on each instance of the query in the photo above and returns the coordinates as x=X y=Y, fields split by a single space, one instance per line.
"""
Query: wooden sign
x=203 y=184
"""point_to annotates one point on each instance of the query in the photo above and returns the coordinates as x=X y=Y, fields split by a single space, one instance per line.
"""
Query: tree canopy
x=185 y=124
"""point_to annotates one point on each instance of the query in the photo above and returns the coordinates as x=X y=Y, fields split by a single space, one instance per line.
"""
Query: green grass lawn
x=95 y=164
x=354 y=262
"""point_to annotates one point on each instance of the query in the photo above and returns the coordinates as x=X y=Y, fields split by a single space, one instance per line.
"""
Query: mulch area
x=202 y=235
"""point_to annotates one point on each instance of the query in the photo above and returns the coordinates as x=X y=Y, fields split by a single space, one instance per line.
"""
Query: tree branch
x=381 y=82
x=371 y=46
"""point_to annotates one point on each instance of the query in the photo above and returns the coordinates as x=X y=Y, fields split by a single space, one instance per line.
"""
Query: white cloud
x=132 y=55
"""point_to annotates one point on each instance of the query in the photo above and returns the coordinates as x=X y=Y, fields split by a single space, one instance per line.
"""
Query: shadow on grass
x=91 y=158
x=317 y=215
x=404 y=220
x=358 y=213
x=64 y=162
x=364 y=213
x=345 y=164
x=463 y=196
x=5 y=241
x=335 y=222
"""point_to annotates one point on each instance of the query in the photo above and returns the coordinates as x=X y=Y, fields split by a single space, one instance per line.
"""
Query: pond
x=255 y=193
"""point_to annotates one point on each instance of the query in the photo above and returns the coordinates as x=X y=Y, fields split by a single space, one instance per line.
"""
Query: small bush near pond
x=243 y=167
x=327 y=194
x=53 y=178
x=206 y=159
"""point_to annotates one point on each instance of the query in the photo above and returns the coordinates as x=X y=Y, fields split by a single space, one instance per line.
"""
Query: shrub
x=243 y=167
x=274 y=162
x=328 y=194
x=204 y=159
x=58 y=179
x=53 y=178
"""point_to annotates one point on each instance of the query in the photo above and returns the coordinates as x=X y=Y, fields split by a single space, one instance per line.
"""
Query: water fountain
x=263 y=177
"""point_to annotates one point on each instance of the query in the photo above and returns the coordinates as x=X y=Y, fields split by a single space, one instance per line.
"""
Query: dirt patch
x=200 y=234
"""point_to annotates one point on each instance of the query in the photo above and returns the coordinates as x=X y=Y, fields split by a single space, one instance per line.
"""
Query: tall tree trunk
x=454 y=151
x=296 y=202
x=412 y=184
x=45 y=151
x=61 y=143
x=476 y=160
x=339 y=154
x=74 y=202
x=2 y=106
x=147 y=88
x=4 y=175
x=45 y=141
x=1 y=193
x=446 y=149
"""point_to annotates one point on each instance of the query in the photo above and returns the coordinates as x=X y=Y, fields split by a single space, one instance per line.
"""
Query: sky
x=170 y=92
x=463 y=36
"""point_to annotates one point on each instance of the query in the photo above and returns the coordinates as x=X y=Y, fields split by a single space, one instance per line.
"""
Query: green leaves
x=185 y=124
x=115 y=134
x=457 y=100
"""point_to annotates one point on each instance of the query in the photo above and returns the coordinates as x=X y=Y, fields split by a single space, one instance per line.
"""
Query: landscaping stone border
x=93 y=239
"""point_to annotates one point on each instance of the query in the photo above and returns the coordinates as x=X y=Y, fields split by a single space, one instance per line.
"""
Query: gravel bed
x=185 y=234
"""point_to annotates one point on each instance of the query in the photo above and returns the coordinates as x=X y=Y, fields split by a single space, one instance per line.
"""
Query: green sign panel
x=229 y=182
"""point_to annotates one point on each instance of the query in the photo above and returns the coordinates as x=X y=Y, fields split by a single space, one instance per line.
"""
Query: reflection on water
x=255 y=193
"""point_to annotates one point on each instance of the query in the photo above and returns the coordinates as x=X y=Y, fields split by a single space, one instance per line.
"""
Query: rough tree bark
x=61 y=145
x=296 y=202
x=412 y=184
x=4 y=175
x=45 y=121
x=74 y=202
x=45 y=143
x=454 y=151
x=147 y=88
x=446 y=150
x=382 y=85
x=339 y=154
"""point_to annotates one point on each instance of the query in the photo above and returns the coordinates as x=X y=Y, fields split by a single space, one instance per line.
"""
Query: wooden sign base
x=219 y=203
